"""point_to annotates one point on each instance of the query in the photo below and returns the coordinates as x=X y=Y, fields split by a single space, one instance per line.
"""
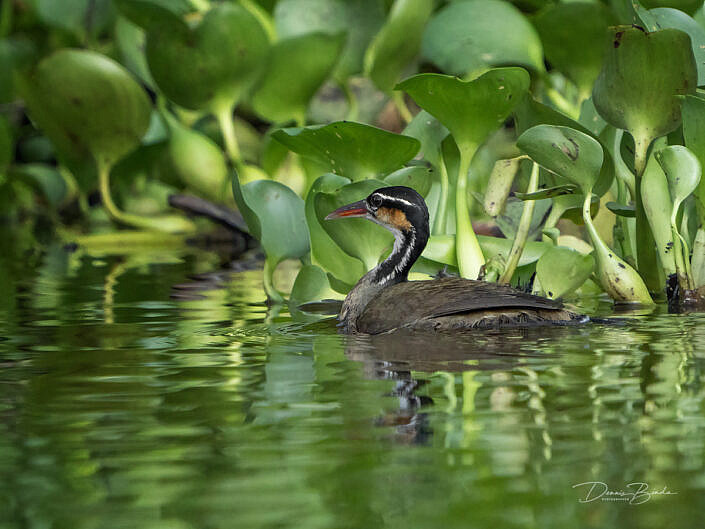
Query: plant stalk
x=6 y=14
x=165 y=223
x=681 y=269
x=469 y=253
x=523 y=229
x=439 y=227
x=272 y=293
x=400 y=103
x=646 y=257
x=224 y=115
x=353 y=108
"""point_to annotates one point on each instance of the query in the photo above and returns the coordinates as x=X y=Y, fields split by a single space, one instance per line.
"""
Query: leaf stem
x=469 y=253
x=562 y=103
x=165 y=223
x=5 y=18
x=224 y=115
x=400 y=103
x=646 y=258
x=353 y=109
x=439 y=227
x=272 y=293
x=523 y=229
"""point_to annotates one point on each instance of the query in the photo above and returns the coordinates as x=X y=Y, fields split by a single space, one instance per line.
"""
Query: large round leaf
x=358 y=237
x=673 y=18
x=361 y=19
x=469 y=36
x=397 y=43
x=87 y=103
x=471 y=110
x=562 y=270
x=344 y=269
x=354 y=150
x=198 y=162
x=572 y=35
x=212 y=64
x=566 y=152
x=531 y=113
x=682 y=170
x=298 y=66
x=641 y=75
x=282 y=221
x=417 y=177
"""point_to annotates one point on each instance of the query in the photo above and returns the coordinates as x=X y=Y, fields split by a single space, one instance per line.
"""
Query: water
x=127 y=402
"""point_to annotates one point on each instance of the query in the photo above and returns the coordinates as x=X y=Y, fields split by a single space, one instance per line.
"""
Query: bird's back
x=456 y=303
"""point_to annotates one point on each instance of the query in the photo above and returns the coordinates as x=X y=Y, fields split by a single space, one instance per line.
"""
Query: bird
x=384 y=300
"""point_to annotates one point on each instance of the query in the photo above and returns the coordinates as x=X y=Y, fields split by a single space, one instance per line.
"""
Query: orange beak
x=356 y=209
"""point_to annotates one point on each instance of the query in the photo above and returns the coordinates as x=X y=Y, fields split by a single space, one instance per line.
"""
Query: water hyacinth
x=252 y=109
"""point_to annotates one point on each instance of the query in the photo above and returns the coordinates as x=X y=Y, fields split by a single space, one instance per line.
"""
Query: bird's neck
x=408 y=246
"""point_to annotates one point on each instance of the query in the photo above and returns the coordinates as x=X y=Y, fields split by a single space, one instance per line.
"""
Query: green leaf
x=622 y=210
x=441 y=249
x=46 y=179
x=130 y=40
x=311 y=285
x=499 y=185
x=361 y=19
x=510 y=220
x=682 y=170
x=573 y=36
x=566 y=152
x=198 y=161
x=641 y=74
x=150 y=14
x=87 y=103
x=673 y=18
x=79 y=17
x=358 y=237
x=209 y=66
x=548 y=192
x=16 y=53
x=531 y=113
x=562 y=270
x=694 y=136
x=417 y=177
x=430 y=132
x=354 y=150
x=298 y=66
x=281 y=217
x=471 y=110
x=469 y=36
x=398 y=42
x=688 y=6
x=344 y=269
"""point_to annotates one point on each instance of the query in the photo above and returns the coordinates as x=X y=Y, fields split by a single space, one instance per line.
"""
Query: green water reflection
x=129 y=402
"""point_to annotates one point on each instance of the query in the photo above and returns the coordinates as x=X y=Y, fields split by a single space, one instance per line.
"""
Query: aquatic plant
x=575 y=129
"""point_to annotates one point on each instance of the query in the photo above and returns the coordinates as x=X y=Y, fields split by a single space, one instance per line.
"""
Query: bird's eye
x=376 y=201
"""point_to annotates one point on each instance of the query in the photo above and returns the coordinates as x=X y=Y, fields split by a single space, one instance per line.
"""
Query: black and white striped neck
x=408 y=246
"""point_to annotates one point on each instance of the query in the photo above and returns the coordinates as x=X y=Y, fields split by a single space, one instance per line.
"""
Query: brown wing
x=407 y=302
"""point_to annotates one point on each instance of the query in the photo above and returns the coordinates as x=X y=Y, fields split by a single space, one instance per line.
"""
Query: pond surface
x=144 y=392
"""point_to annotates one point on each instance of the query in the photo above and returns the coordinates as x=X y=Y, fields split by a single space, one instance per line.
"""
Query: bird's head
x=400 y=209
